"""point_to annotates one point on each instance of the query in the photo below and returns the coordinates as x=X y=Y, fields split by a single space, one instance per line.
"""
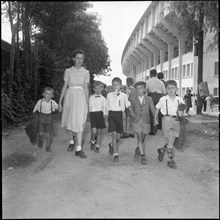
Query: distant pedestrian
x=75 y=92
x=204 y=102
x=46 y=107
x=117 y=101
x=168 y=105
x=97 y=109
x=188 y=100
x=132 y=94
x=155 y=89
x=160 y=76
x=210 y=103
x=141 y=108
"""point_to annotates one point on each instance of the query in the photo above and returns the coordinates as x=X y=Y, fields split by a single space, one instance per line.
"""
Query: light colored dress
x=75 y=108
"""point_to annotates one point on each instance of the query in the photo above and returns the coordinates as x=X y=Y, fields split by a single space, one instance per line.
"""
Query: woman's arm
x=62 y=95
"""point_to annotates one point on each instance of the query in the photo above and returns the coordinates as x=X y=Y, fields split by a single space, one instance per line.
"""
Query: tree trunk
x=200 y=59
x=17 y=46
x=35 y=70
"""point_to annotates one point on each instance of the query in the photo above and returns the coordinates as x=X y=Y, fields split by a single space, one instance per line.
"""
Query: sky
x=118 y=20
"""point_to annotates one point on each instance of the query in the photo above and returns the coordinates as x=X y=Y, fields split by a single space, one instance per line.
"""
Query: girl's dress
x=75 y=108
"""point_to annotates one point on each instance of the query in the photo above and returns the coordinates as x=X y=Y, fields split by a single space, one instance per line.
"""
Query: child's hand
x=106 y=117
x=60 y=108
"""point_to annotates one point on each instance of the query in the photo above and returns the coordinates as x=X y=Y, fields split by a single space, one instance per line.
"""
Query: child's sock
x=93 y=141
x=71 y=141
x=115 y=154
x=97 y=146
x=78 y=148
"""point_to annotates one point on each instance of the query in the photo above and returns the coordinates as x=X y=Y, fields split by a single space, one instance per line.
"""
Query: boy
x=168 y=105
x=117 y=101
x=46 y=107
x=142 y=107
x=97 y=108
x=131 y=93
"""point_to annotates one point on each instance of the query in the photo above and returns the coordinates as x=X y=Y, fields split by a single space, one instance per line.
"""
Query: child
x=168 y=105
x=131 y=93
x=116 y=103
x=75 y=92
x=188 y=100
x=142 y=107
x=46 y=107
x=97 y=108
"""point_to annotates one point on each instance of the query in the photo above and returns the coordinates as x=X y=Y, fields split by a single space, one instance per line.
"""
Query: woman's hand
x=60 y=108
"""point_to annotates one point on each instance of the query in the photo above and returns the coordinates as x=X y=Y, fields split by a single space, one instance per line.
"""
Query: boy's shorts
x=46 y=123
x=141 y=127
x=97 y=120
x=115 y=122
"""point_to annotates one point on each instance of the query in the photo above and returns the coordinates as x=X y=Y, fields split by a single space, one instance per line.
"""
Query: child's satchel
x=32 y=128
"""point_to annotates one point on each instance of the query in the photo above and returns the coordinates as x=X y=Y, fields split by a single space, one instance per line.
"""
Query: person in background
x=155 y=89
x=188 y=100
x=132 y=94
x=209 y=100
x=160 y=76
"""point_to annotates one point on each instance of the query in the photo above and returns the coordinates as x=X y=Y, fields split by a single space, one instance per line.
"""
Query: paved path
x=66 y=186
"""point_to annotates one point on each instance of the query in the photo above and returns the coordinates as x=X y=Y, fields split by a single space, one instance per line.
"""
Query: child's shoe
x=116 y=158
x=80 y=154
x=92 y=146
x=161 y=152
x=137 y=152
x=97 y=148
x=48 y=149
x=172 y=164
x=71 y=147
x=143 y=160
x=111 y=150
x=40 y=142
x=132 y=135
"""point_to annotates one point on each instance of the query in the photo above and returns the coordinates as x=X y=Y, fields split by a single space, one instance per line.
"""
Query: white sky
x=118 y=19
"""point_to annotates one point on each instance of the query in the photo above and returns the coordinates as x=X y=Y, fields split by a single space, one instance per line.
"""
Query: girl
x=75 y=106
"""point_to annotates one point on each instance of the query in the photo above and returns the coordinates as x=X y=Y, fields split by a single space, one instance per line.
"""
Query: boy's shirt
x=45 y=107
x=172 y=106
x=97 y=103
x=117 y=101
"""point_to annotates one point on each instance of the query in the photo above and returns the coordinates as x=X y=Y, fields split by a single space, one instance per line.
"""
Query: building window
x=172 y=77
x=184 y=71
x=188 y=69
x=191 y=69
x=176 y=73
x=216 y=69
x=215 y=92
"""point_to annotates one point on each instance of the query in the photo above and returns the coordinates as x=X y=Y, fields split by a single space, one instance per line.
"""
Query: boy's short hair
x=140 y=83
x=130 y=81
x=48 y=89
x=97 y=83
x=78 y=51
x=153 y=72
x=117 y=79
x=160 y=75
x=171 y=82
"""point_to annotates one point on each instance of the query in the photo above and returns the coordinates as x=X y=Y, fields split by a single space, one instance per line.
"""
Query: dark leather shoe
x=80 y=154
x=143 y=160
x=172 y=164
x=48 y=149
x=92 y=146
x=71 y=147
x=125 y=135
x=116 y=158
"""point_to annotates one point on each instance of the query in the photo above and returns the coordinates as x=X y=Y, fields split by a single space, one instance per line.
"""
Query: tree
x=197 y=18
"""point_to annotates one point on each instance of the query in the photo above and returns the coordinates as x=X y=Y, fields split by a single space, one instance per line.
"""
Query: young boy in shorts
x=142 y=108
x=168 y=105
x=97 y=109
x=46 y=107
x=117 y=101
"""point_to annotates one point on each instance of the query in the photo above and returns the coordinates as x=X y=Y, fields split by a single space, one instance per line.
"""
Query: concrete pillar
x=181 y=52
x=156 y=56
x=162 y=59
x=170 y=57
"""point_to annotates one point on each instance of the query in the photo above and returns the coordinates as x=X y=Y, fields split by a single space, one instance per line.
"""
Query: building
x=155 y=43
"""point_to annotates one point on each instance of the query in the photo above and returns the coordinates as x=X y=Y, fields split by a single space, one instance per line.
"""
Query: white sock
x=71 y=141
x=115 y=154
x=92 y=142
x=78 y=148
x=97 y=146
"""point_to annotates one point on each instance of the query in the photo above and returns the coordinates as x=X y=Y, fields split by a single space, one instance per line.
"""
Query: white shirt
x=172 y=106
x=117 y=102
x=45 y=107
x=141 y=98
x=97 y=103
x=155 y=85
